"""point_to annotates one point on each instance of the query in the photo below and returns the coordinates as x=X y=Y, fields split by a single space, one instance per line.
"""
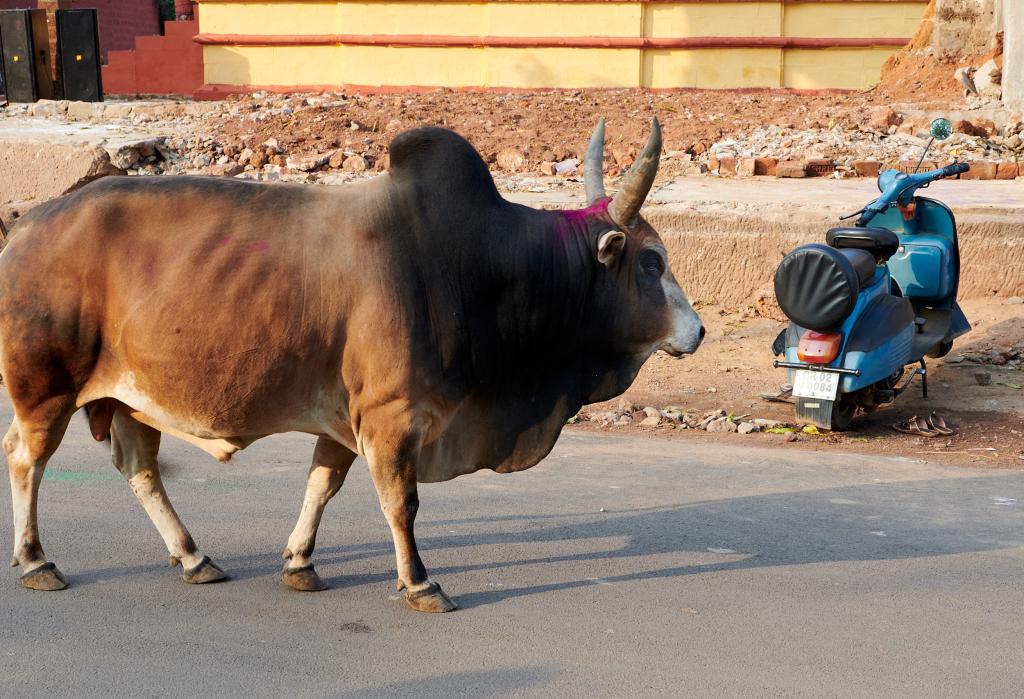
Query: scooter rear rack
x=815 y=367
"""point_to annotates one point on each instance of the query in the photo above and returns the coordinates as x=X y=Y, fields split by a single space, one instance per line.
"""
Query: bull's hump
x=443 y=160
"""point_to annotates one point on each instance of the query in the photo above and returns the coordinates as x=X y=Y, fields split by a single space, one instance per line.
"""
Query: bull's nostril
x=703 y=332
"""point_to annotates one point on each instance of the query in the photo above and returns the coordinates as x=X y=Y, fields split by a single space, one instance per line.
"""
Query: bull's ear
x=609 y=247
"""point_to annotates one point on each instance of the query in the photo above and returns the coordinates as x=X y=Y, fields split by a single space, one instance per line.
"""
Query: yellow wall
x=725 y=67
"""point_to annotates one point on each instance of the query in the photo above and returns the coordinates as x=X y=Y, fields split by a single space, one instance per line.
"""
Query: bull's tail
x=3 y=231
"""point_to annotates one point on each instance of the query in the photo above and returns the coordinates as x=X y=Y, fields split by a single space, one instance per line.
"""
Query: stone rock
x=745 y=167
x=765 y=166
x=1015 y=300
x=980 y=170
x=337 y=159
x=650 y=422
x=229 y=169
x=790 y=168
x=652 y=412
x=987 y=80
x=722 y=424
x=245 y=156
x=623 y=420
x=45 y=108
x=80 y=111
x=790 y=437
x=866 y=168
x=1006 y=170
x=510 y=159
x=985 y=127
x=125 y=157
x=355 y=163
x=567 y=168
x=258 y=160
x=726 y=167
x=36 y=172
x=273 y=146
x=881 y=118
x=747 y=428
x=548 y=168
x=765 y=423
x=117 y=111
x=307 y=162
x=967 y=128
x=819 y=167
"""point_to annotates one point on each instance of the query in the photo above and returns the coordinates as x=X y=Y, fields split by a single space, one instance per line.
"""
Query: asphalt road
x=618 y=567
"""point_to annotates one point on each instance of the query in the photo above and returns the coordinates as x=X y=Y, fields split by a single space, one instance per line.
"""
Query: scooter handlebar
x=903 y=184
x=955 y=169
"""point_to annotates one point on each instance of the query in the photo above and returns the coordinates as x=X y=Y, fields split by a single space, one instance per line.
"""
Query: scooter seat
x=817 y=286
x=880 y=242
x=863 y=264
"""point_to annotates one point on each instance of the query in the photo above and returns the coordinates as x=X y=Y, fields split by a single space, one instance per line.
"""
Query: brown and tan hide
x=417 y=319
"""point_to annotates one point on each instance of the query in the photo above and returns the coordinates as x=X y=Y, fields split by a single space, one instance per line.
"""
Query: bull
x=417 y=319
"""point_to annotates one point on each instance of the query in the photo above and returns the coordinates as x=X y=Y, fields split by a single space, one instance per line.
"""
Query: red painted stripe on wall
x=584 y=42
x=784 y=2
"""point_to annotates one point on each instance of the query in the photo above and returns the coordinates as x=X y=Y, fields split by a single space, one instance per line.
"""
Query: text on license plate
x=815 y=384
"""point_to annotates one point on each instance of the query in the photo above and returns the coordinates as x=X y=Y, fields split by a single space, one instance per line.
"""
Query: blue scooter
x=877 y=298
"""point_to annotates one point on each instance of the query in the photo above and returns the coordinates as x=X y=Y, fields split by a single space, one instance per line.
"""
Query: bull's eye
x=652 y=263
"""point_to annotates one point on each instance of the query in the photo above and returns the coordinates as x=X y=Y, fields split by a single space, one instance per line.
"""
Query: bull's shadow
x=873 y=522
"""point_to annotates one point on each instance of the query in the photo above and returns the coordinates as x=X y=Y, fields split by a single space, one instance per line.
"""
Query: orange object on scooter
x=819 y=348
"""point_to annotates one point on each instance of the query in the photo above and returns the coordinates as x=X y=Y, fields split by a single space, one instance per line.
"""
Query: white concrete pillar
x=1013 y=53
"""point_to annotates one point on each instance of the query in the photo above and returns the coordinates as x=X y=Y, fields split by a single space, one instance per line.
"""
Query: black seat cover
x=817 y=286
x=880 y=242
x=863 y=264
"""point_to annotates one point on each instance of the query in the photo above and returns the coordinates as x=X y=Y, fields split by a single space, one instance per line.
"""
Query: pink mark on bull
x=575 y=220
x=223 y=241
x=258 y=246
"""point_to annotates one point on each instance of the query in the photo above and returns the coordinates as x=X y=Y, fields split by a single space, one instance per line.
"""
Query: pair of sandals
x=932 y=426
x=783 y=395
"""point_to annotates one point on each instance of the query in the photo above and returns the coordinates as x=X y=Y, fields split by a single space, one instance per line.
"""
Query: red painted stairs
x=171 y=64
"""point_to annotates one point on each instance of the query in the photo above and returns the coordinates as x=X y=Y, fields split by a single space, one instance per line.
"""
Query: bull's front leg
x=392 y=459
x=331 y=462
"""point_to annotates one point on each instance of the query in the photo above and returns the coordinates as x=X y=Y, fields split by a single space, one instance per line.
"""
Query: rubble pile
x=536 y=141
x=888 y=140
x=672 y=417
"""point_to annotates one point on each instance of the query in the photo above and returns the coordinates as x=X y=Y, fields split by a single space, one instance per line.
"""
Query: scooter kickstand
x=923 y=371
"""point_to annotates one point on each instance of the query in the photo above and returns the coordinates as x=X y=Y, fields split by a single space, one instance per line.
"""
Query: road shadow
x=870 y=522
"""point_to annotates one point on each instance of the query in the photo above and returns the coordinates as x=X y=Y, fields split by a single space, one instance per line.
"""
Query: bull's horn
x=625 y=207
x=593 y=165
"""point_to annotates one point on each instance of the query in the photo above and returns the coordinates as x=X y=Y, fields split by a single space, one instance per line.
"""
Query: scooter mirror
x=941 y=129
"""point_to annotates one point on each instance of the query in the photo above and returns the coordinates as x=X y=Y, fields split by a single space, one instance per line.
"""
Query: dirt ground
x=734 y=365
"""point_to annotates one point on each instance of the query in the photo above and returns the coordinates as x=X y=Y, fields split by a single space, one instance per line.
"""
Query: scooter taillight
x=818 y=348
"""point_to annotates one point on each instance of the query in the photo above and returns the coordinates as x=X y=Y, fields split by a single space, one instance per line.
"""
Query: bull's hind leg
x=331 y=462
x=135 y=448
x=30 y=442
x=393 y=469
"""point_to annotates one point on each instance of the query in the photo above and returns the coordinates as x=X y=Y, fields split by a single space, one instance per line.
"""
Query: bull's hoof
x=46 y=577
x=206 y=571
x=429 y=599
x=303 y=579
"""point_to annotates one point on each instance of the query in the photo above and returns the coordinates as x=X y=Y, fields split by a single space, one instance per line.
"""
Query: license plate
x=815 y=384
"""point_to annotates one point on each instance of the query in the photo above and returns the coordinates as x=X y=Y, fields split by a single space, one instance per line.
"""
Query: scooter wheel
x=842 y=416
